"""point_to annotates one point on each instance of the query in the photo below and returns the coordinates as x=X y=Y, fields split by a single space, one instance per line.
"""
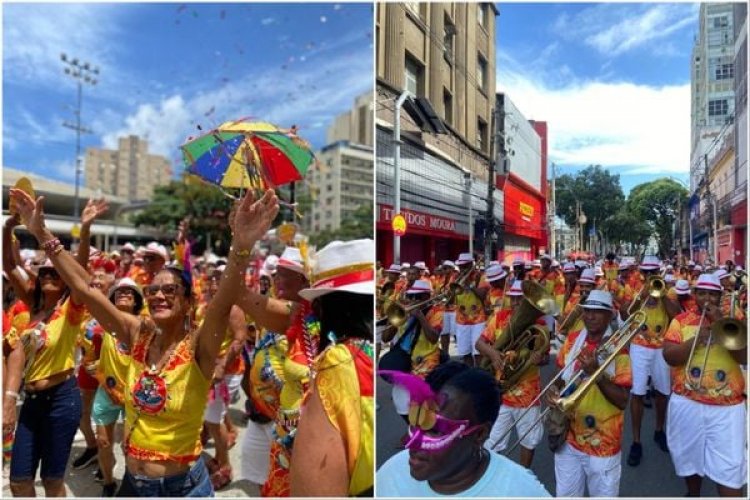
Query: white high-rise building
x=712 y=89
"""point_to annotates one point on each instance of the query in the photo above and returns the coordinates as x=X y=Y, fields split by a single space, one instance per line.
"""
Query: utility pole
x=552 y=232
x=467 y=181
x=397 y=171
x=489 y=226
x=82 y=72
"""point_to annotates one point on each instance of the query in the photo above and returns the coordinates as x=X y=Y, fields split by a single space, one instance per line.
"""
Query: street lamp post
x=83 y=72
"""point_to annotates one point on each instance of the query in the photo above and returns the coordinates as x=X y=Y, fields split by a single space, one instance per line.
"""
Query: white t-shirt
x=503 y=478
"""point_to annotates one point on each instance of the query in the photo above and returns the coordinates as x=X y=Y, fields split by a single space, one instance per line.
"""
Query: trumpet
x=729 y=333
x=611 y=347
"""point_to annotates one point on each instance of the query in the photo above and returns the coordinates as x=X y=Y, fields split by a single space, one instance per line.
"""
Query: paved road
x=654 y=477
x=80 y=483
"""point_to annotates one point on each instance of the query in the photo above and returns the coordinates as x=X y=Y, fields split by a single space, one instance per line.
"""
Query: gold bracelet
x=241 y=253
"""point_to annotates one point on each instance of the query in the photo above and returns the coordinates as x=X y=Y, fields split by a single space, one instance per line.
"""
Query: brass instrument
x=729 y=333
x=570 y=320
x=657 y=288
x=522 y=336
x=739 y=280
x=397 y=314
x=610 y=347
x=460 y=283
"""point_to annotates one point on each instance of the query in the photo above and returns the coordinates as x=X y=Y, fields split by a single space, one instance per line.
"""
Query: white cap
x=291 y=259
x=420 y=265
x=405 y=265
x=516 y=289
x=569 y=267
x=624 y=266
x=419 y=287
x=536 y=263
x=682 y=287
x=545 y=256
x=269 y=265
x=708 y=282
x=448 y=263
x=587 y=276
x=669 y=278
x=127 y=247
x=518 y=261
x=464 y=258
x=598 y=299
x=495 y=273
x=691 y=263
x=598 y=271
x=697 y=268
x=125 y=283
x=650 y=263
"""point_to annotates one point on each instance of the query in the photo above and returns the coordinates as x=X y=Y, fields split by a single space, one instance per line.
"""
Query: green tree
x=624 y=227
x=658 y=203
x=598 y=191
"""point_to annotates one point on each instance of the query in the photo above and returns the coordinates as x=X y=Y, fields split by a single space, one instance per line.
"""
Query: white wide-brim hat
x=395 y=269
x=587 y=276
x=420 y=265
x=125 y=283
x=291 y=259
x=708 y=282
x=156 y=249
x=495 y=272
x=343 y=266
x=516 y=289
x=464 y=258
x=650 y=263
x=419 y=287
x=569 y=267
x=599 y=299
x=682 y=287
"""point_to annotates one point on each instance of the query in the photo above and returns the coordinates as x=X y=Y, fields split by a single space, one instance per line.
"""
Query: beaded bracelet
x=52 y=246
x=241 y=253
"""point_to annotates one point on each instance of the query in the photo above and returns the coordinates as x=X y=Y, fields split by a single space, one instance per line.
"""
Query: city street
x=654 y=477
x=81 y=483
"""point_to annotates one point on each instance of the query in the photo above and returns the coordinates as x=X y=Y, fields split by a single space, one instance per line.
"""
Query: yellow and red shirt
x=596 y=425
x=112 y=370
x=722 y=382
x=52 y=348
x=469 y=309
x=345 y=384
x=19 y=315
x=651 y=335
x=426 y=355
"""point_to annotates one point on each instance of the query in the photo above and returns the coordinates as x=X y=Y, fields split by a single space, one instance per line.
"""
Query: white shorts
x=256 y=448
x=216 y=409
x=708 y=440
x=645 y=362
x=449 y=323
x=574 y=470
x=505 y=419
x=466 y=338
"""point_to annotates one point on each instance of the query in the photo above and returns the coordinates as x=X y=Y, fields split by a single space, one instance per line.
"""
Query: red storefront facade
x=732 y=239
x=428 y=237
x=524 y=220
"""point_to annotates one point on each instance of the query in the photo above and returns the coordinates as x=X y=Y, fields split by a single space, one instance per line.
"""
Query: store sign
x=418 y=220
x=526 y=210
x=399 y=225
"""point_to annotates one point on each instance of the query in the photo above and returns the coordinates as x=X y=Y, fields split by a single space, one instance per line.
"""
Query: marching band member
x=495 y=297
x=591 y=454
x=552 y=280
x=586 y=284
x=470 y=315
x=726 y=299
x=706 y=423
x=610 y=268
x=516 y=400
x=647 y=361
x=449 y=316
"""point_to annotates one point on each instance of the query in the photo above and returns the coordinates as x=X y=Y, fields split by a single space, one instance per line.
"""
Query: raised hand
x=93 y=210
x=253 y=218
x=29 y=210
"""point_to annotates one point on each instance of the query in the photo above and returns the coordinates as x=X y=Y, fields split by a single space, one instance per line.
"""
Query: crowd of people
x=622 y=333
x=163 y=341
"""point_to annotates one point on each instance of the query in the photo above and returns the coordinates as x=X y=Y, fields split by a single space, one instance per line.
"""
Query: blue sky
x=612 y=81
x=168 y=68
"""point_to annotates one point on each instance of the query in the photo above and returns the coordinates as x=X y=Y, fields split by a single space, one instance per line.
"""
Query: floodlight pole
x=397 y=171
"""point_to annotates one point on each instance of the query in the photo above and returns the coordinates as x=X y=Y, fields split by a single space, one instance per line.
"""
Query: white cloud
x=625 y=126
x=613 y=29
x=33 y=41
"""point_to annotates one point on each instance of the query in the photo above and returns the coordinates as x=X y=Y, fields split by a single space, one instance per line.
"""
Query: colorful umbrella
x=248 y=155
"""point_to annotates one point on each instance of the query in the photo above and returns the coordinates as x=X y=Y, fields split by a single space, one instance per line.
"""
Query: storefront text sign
x=419 y=220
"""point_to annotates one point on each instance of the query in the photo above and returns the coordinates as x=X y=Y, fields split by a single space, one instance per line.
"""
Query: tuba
x=522 y=336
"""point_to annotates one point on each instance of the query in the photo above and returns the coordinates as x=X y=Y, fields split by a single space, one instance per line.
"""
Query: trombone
x=730 y=333
x=611 y=348
x=657 y=288
x=397 y=313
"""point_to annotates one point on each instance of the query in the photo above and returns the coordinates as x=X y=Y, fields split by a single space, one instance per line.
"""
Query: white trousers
x=256 y=448
x=574 y=470
x=449 y=323
x=505 y=420
x=466 y=338
x=708 y=440
x=645 y=362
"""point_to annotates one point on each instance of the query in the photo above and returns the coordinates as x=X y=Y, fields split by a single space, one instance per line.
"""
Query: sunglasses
x=125 y=291
x=48 y=273
x=431 y=432
x=169 y=290
x=149 y=258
